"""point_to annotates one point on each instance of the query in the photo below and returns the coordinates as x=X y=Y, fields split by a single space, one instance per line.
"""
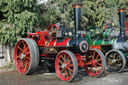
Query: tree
x=18 y=18
x=112 y=10
x=94 y=12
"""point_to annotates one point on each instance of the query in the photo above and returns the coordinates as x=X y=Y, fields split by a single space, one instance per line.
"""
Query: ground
x=42 y=78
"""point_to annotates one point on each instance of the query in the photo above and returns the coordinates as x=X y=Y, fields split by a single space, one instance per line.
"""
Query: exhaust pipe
x=77 y=16
x=122 y=22
x=122 y=42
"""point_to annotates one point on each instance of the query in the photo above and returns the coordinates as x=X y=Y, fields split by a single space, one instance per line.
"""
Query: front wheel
x=66 y=66
x=97 y=63
x=115 y=61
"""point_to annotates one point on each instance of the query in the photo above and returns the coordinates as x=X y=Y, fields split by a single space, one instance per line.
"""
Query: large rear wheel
x=66 y=66
x=97 y=64
x=26 y=56
x=115 y=61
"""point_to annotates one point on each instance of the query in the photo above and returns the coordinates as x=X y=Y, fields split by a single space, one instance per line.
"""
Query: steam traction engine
x=112 y=43
x=66 y=48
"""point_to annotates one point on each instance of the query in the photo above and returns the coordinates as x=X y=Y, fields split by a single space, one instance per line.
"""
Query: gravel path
x=41 y=78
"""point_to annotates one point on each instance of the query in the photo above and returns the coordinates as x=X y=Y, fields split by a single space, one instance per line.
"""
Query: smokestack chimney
x=122 y=22
x=77 y=16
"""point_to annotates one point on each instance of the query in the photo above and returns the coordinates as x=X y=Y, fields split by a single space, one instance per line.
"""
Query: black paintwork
x=77 y=17
x=122 y=37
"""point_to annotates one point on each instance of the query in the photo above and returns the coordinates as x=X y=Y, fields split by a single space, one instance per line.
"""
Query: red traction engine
x=67 y=49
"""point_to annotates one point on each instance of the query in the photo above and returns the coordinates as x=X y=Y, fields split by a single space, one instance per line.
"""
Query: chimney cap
x=122 y=10
x=76 y=5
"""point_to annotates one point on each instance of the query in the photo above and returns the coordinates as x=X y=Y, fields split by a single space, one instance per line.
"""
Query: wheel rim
x=22 y=57
x=97 y=63
x=65 y=66
x=114 y=61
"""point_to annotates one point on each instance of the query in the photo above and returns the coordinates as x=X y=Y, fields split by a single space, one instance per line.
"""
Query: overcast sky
x=42 y=1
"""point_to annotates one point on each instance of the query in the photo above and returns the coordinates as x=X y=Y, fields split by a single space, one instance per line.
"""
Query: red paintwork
x=95 y=61
x=126 y=27
x=83 y=34
x=97 y=47
x=44 y=36
x=62 y=61
x=63 y=43
x=43 y=40
x=46 y=41
x=22 y=66
x=82 y=62
x=106 y=26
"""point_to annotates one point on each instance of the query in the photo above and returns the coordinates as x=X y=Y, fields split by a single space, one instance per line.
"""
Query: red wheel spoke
x=27 y=63
x=69 y=61
x=60 y=67
x=28 y=58
x=25 y=50
x=21 y=64
x=25 y=68
x=71 y=65
x=99 y=60
x=97 y=57
x=62 y=70
x=61 y=62
x=93 y=55
x=24 y=43
x=25 y=46
x=18 y=56
x=65 y=74
x=20 y=49
x=27 y=53
x=99 y=64
x=70 y=69
x=96 y=68
x=92 y=68
x=64 y=57
x=70 y=73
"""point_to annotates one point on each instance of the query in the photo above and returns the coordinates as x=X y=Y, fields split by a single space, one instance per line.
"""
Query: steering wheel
x=51 y=29
x=52 y=26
